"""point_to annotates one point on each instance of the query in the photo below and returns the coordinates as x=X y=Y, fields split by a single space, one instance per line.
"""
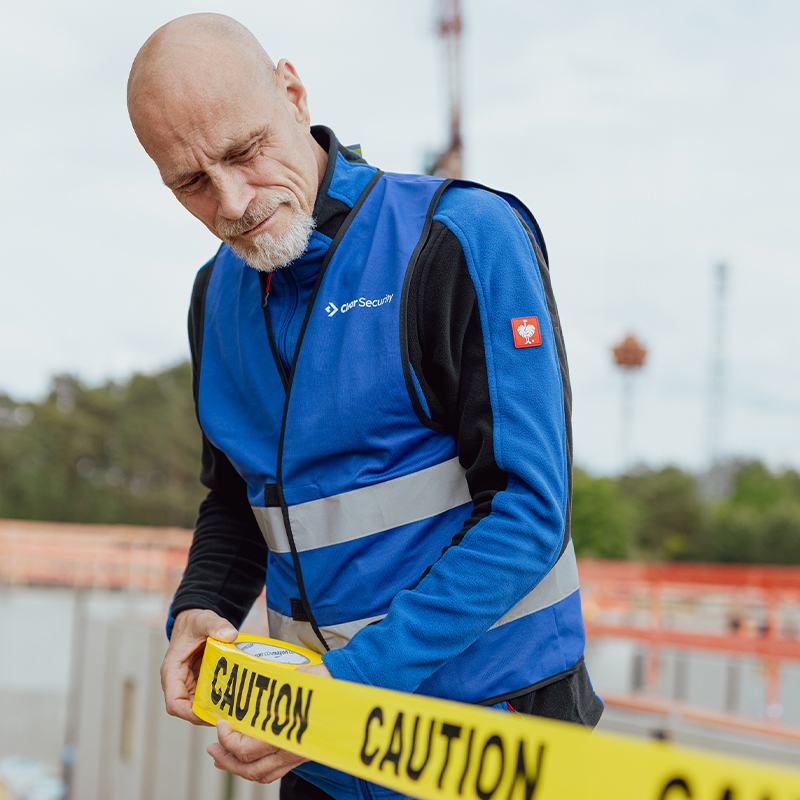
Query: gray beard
x=267 y=252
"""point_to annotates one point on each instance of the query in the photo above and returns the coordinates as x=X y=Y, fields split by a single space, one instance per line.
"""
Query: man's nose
x=234 y=194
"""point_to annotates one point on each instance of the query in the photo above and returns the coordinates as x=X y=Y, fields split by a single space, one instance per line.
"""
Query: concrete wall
x=34 y=671
x=81 y=669
x=126 y=746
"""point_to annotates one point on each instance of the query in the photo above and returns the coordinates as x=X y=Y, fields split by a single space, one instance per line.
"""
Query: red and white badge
x=526 y=332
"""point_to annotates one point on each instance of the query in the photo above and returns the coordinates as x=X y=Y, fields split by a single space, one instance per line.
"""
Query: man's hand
x=251 y=758
x=185 y=652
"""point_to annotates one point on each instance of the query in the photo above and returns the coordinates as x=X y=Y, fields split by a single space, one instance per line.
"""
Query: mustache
x=231 y=228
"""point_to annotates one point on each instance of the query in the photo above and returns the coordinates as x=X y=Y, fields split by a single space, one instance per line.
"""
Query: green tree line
x=126 y=452
x=669 y=514
x=129 y=452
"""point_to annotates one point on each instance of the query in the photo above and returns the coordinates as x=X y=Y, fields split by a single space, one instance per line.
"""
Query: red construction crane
x=448 y=164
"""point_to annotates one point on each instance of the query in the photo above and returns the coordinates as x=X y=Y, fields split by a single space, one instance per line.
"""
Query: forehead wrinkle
x=191 y=107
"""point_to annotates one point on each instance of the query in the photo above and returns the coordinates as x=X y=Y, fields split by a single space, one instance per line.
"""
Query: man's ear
x=291 y=88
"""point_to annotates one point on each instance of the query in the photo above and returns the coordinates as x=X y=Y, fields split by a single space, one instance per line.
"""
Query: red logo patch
x=526 y=332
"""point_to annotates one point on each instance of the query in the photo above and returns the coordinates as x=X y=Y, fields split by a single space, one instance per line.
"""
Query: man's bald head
x=195 y=56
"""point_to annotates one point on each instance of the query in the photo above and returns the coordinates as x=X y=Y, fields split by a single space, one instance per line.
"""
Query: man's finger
x=182 y=660
x=211 y=624
x=315 y=669
x=179 y=707
x=266 y=769
x=246 y=748
x=200 y=623
x=178 y=685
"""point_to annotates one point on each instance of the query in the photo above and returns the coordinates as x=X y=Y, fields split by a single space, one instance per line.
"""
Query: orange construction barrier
x=733 y=608
x=100 y=556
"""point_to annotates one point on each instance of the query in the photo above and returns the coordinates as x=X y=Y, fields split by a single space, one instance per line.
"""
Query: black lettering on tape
x=262 y=682
x=300 y=715
x=729 y=795
x=295 y=715
x=395 y=749
x=222 y=666
x=277 y=725
x=451 y=732
x=531 y=781
x=492 y=741
x=375 y=714
x=466 y=761
x=241 y=711
x=676 y=783
x=229 y=698
x=412 y=772
x=269 y=705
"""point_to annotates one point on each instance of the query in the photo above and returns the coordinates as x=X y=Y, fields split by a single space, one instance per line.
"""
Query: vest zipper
x=265 y=281
x=334 y=246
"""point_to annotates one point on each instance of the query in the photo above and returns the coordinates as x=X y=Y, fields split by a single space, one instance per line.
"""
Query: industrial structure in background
x=716 y=399
x=449 y=162
x=629 y=356
x=717 y=481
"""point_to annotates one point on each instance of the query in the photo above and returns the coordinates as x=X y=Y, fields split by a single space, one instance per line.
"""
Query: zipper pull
x=266 y=290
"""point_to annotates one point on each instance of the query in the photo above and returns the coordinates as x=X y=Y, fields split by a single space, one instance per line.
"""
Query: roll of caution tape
x=436 y=749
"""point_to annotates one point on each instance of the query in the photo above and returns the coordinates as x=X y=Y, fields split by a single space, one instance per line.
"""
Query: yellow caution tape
x=433 y=749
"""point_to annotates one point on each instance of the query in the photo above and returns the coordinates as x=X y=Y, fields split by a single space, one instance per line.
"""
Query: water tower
x=629 y=356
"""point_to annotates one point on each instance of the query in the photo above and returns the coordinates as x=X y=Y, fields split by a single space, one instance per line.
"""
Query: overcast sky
x=651 y=140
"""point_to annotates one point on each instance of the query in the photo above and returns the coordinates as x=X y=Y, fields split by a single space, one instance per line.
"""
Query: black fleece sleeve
x=227 y=561
x=446 y=351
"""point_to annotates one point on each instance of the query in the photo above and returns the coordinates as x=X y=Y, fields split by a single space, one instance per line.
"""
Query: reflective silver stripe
x=270 y=520
x=289 y=630
x=560 y=582
x=371 y=509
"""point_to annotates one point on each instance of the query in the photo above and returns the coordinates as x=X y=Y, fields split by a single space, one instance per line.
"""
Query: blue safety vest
x=355 y=494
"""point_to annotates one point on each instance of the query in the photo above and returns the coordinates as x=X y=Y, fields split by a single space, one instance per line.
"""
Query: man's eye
x=248 y=151
x=193 y=183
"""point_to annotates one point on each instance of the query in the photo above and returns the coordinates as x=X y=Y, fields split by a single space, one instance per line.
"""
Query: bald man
x=381 y=383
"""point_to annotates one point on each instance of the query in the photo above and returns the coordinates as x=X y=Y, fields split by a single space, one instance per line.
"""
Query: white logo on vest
x=360 y=302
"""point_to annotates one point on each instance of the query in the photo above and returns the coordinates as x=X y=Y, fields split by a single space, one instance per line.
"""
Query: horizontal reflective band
x=371 y=509
x=560 y=582
x=290 y=630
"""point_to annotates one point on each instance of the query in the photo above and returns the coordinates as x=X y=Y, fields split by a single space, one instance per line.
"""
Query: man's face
x=239 y=159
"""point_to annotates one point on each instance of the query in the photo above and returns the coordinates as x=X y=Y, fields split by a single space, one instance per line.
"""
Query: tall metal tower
x=449 y=163
x=716 y=395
